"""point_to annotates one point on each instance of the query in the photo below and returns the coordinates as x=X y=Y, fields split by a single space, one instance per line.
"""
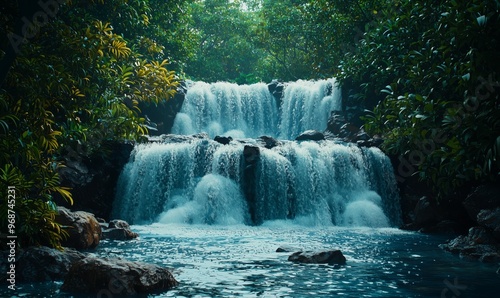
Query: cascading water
x=202 y=181
x=251 y=111
x=197 y=180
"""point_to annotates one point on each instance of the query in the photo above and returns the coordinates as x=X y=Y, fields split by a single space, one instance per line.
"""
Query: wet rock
x=323 y=257
x=223 y=140
x=310 y=135
x=286 y=248
x=251 y=154
x=116 y=277
x=491 y=220
x=276 y=89
x=478 y=244
x=483 y=197
x=37 y=264
x=93 y=178
x=83 y=228
x=269 y=142
x=118 y=230
x=335 y=122
x=426 y=213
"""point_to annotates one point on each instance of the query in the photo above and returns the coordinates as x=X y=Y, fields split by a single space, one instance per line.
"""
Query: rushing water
x=251 y=111
x=202 y=181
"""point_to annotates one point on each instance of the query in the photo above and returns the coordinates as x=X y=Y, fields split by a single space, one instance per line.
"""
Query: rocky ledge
x=119 y=277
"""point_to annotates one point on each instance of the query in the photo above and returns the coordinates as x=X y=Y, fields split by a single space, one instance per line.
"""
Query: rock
x=276 y=89
x=37 y=264
x=269 y=142
x=310 y=135
x=426 y=213
x=491 y=220
x=93 y=178
x=335 y=122
x=479 y=244
x=118 y=230
x=116 y=277
x=251 y=154
x=286 y=248
x=323 y=257
x=119 y=234
x=483 y=197
x=83 y=228
x=223 y=140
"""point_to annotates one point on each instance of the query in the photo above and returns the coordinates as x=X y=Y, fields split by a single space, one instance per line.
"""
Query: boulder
x=251 y=154
x=286 y=248
x=223 y=140
x=115 y=277
x=276 y=89
x=83 y=228
x=483 y=197
x=268 y=142
x=323 y=257
x=118 y=230
x=478 y=244
x=93 y=178
x=491 y=220
x=310 y=135
x=426 y=213
x=37 y=264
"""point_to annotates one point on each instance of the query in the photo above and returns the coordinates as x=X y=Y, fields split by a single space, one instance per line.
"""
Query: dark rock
x=93 y=178
x=276 y=89
x=119 y=234
x=118 y=223
x=335 y=122
x=361 y=135
x=285 y=248
x=482 y=197
x=491 y=220
x=310 y=135
x=251 y=154
x=323 y=257
x=479 y=244
x=223 y=140
x=116 y=277
x=269 y=142
x=37 y=264
x=83 y=228
x=426 y=213
x=160 y=117
x=118 y=230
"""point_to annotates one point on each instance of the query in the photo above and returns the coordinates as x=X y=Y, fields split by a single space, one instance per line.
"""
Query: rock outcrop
x=310 y=135
x=116 y=277
x=37 y=264
x=118 y=230
x=331 y=257
x=83 y=228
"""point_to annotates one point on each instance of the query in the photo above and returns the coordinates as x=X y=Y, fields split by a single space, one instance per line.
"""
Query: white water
x=202 y=181
x=251 y=111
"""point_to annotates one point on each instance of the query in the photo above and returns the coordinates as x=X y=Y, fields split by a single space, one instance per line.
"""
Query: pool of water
x=241 y=261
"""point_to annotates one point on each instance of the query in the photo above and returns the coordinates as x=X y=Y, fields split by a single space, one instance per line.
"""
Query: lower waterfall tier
x=201 y=181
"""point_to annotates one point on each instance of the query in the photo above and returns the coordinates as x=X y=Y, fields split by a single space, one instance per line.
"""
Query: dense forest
x=423 y=74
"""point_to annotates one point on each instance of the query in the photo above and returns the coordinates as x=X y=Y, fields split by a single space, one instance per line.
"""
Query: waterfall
x=202 y=181
x=251 y=111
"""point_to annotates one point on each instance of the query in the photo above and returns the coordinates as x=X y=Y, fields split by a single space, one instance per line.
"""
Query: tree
x=74 y=80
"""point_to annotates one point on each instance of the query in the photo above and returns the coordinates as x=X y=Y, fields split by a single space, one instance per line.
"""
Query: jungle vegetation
x=425 y=71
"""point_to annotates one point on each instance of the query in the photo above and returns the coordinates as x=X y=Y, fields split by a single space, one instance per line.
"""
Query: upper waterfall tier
x=251 y=111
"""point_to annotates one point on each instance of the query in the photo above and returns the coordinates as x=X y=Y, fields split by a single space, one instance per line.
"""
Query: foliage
x=78 y=81
x=436 y=66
